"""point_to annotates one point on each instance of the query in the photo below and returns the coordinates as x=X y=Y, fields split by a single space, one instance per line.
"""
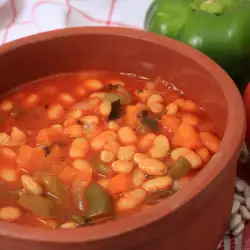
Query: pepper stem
x=213 y=7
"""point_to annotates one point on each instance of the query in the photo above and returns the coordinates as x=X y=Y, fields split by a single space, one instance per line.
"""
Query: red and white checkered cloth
x=19 y=18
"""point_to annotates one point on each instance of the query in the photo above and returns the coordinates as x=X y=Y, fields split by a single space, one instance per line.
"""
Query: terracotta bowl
x=194 y=218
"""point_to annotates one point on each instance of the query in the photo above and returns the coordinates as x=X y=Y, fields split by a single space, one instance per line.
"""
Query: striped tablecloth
x=19 y=18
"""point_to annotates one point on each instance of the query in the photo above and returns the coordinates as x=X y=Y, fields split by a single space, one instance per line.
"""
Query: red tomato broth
x=32 y=116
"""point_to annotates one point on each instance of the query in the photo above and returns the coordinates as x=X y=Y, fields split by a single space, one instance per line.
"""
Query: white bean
x=102 y=139
x=160 y=147
x=239 y=229
x=172 y=108
x=127 y=135
x=4 y=139
x=79 y=148
x=82 y=165
x=122 y=166
x=8 y=174
x=10 y=213
x=68 y=225
x=6 y=105
x=155 y=103
x=146 y=141
x=240 y=198
x=30 y=185
x=55 y=111
x=240 y=185
x=247 y=202
x=76 y=114
x=66 y=98
x=32 y=99
x=107 y=156
x=126 y=152
x=90 y=119
x=158 y=184
x=235 y=207
x=105 y=108
x=112 y=146
x=18 y=137
x=245 y=214
x=131 y=199
x=138 y=177
x=93 y=84
x=247 y=191
x=150 y=166
x=235 y=221
x=113 y=125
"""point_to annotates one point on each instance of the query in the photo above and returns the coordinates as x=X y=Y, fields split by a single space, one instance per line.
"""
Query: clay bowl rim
x=234 y=133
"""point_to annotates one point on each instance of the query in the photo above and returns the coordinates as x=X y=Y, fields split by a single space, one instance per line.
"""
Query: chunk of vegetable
x=100 y=204
x=115 y=110
x=55 y=187
x=119 y=183
x=68 y=174
x=150 y=123
x=180 y=168
x=101 y=168
x=171 y=122
x=29 y=158
x=78 y=188
x=112 y=97
x=186 y=136
x=80 y=220
x=50 y=135
x=131 y=118
x=38 y=205
x=157 y=195
x=118 y=92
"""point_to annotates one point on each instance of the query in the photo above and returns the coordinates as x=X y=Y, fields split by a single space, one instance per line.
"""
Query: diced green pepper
x=55 y=187
x=156 y=196
x=180 y=168
x=99 y=202
x=80 y=220
x=112 y=97
x=101 y=168
x=120 y=93
x=38 y=205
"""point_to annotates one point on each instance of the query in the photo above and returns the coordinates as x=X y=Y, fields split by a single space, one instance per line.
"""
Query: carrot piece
x=52 y=159
x=187 y=136
x=29 y=158
x=50 y=135
x=171 y=122
x=68 y=174
x=210 y=141
x=131 y=118
x=119 y=183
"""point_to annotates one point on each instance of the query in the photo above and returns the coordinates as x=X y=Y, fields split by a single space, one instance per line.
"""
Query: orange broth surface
x=82 y=148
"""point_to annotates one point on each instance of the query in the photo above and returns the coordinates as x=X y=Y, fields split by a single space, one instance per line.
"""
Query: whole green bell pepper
x=218 y=28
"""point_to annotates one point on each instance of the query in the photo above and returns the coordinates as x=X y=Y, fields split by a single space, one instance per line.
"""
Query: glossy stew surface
x=83 y=148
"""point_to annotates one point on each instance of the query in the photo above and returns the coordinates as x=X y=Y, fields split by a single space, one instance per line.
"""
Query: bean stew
x=82 y=148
